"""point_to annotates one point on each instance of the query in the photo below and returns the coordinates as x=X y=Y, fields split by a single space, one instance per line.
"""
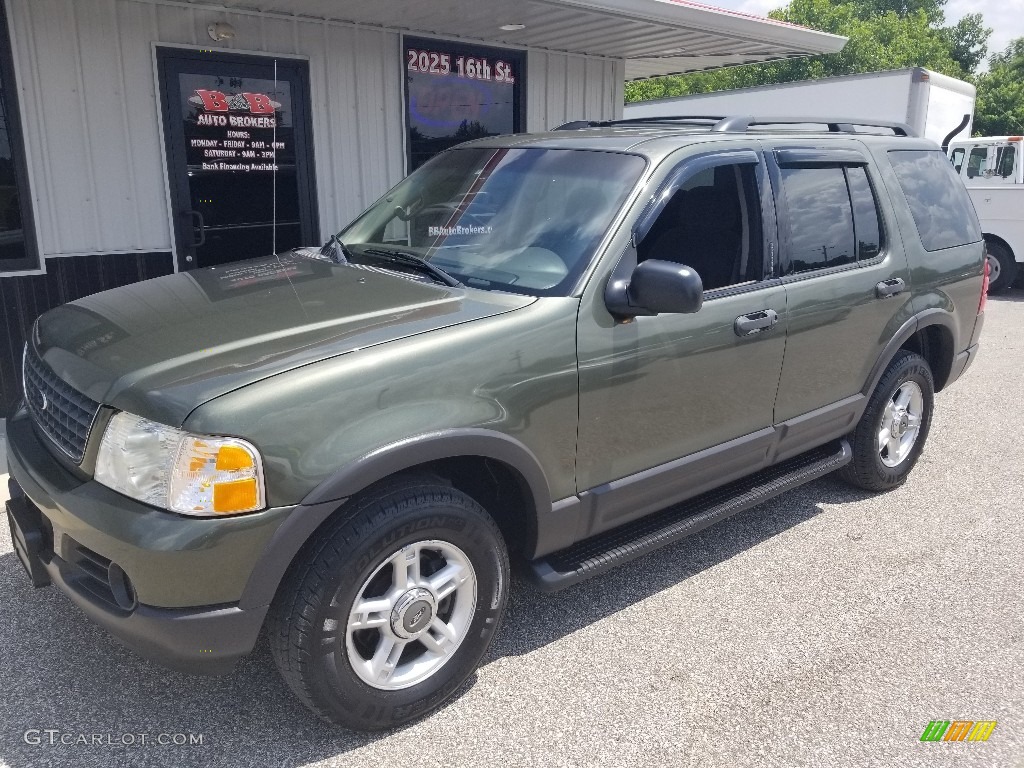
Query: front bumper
x=170 y=587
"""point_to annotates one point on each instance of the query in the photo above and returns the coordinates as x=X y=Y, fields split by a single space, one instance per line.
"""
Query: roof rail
x=575 y=125
x=743 y=123
x=668 y=120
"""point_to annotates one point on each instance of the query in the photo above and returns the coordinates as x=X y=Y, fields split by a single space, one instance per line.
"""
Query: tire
x=1002 y=267
x=876 y=467
x=1018 y=281
x=413 y=645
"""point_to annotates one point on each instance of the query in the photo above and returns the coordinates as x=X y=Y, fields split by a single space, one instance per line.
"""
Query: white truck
x=935 y=106
x=993 y=171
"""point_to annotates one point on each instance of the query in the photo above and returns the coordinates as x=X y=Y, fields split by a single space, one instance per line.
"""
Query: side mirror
x=656 y=287
x=665 y=287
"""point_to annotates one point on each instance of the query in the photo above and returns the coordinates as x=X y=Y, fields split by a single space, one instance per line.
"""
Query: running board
x=605 y=551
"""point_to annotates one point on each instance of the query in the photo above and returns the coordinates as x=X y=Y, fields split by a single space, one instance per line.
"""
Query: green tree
x=883 y=34
x=999 y=110
x=865 y=9
x=967 y=41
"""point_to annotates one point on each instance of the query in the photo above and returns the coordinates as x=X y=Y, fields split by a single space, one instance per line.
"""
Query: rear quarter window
x=937 y=199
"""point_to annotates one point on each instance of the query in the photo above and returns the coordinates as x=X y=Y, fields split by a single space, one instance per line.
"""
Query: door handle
x=755 y=322
x=197 y=223
x=888 y=288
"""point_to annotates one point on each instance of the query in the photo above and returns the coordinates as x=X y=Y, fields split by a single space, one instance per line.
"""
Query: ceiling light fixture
x=512 y=27
x=220 y=31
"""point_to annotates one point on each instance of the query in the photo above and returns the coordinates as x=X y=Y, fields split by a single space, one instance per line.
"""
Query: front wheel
x=391 y=611
x=891 y=434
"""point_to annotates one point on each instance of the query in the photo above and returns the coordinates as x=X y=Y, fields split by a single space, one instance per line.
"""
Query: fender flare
x=324 y=500
x=445 y=444
x=921 y=320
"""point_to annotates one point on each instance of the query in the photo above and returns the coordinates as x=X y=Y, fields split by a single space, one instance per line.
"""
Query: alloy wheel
x=901 y=424
x=411 y=615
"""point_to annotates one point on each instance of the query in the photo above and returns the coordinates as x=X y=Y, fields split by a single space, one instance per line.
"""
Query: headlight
x=185 y=473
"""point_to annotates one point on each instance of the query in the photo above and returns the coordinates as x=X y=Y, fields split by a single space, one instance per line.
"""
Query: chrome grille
x=60 y=411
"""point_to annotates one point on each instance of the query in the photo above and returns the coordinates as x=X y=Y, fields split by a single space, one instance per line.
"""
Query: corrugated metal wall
x=87 y=87
x=561 y=88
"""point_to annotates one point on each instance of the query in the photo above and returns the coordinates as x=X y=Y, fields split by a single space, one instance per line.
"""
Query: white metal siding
x=88 y=94
x=561 y=87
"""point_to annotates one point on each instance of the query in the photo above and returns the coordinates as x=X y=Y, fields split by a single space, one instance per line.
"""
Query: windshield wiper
x=412 y=260
x=336 y=251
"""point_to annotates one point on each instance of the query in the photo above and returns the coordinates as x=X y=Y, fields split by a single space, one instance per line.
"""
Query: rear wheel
x=388 y=615
x=891 y=434
x=1002 y=269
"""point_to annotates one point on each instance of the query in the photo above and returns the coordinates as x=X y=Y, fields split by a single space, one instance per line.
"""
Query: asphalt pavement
x=824 y=628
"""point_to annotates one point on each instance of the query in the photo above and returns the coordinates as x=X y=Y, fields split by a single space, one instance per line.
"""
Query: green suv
x=563 y=349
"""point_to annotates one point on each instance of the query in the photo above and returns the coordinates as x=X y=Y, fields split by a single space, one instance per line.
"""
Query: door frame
x=176 y=189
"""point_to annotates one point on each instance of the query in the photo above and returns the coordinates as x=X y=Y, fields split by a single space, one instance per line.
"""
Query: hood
x=162 y=347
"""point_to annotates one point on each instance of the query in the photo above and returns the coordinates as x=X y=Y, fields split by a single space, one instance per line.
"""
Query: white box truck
x=935 y=106
x=993 y=170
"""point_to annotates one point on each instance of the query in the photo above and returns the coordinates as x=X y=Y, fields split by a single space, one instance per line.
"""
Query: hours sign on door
x=236 y=126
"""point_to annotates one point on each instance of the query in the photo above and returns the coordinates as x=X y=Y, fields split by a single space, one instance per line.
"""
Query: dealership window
x=17 y=244
x=455 y=93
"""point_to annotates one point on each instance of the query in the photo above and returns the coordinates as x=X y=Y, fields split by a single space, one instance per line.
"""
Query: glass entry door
x=239 y=155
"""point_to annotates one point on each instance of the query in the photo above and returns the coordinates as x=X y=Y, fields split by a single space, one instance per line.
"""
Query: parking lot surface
x=824 y=628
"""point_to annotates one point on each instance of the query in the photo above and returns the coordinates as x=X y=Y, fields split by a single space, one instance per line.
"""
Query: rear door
x=846 y=278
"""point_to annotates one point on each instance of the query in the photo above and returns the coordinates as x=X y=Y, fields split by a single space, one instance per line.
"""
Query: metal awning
x=655 y=37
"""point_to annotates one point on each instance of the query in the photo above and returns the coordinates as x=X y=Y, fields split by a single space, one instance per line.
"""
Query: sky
x=1005 y=17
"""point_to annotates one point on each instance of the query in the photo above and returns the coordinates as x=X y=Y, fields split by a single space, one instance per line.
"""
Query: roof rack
x=743 y=123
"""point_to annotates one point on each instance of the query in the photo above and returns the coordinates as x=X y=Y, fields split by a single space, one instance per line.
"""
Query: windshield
x=521 y=220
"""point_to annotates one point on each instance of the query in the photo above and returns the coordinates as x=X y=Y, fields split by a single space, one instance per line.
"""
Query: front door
x=239 y=155
x=698 y=387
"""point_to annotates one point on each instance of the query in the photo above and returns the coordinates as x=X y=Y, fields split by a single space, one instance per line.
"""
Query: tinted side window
x=820 y=219
x=713 y=225
x=937 y=198
x=866 y=225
